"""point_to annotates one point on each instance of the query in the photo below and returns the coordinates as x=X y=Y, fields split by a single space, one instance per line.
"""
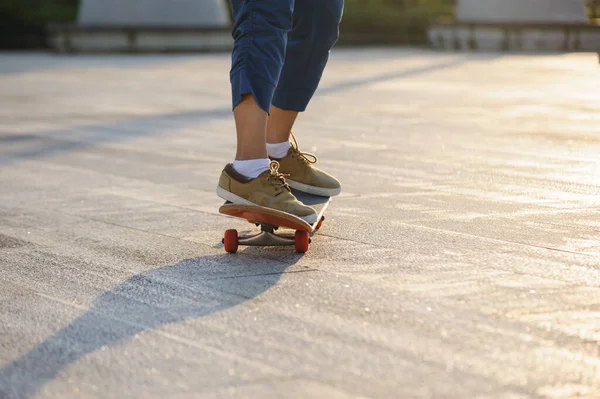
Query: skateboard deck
x=270 y=220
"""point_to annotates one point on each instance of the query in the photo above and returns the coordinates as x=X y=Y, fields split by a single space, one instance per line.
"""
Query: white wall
x=522 y=11
x=154 y=12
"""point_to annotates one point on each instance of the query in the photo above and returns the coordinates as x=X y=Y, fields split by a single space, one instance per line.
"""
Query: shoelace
x=277 y=178
x=305 y=156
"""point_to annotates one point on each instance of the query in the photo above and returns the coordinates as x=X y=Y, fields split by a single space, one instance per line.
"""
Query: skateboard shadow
x=190 y=289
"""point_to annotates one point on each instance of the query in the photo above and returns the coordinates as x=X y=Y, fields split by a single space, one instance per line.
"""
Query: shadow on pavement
x=190 y=289
x=404 y=73
x=47 y=143
x=33 y=62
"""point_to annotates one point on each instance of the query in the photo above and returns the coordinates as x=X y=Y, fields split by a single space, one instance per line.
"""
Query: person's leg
x=260 y=37
x=251 y=125
x=280 y=124
x=315 y=31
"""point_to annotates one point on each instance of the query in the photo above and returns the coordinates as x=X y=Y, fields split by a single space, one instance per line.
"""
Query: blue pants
x=281 y=48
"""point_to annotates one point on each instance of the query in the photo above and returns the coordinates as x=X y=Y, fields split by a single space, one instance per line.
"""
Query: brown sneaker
x=303 y=176
x=269 y=189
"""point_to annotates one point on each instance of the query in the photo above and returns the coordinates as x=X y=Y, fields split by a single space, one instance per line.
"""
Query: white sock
x=252 y=167
x=278 y=150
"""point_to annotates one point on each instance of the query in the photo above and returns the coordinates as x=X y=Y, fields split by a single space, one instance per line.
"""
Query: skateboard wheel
x=320 y=222
x=301 y=240
x=230 y=241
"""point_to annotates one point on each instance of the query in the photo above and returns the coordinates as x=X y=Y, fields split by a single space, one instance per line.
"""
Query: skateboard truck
x=267 y=238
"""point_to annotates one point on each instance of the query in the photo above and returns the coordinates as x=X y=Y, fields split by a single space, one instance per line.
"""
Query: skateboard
x=270 y=220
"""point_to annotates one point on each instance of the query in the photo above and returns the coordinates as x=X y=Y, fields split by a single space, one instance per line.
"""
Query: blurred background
x=23 y=23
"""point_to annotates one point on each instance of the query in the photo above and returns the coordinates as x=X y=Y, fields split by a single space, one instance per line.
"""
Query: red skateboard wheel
x=230 y=241
x=301 y=241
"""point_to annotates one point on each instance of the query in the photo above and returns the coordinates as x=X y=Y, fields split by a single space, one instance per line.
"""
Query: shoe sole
x=236 y=199
x=305 y=188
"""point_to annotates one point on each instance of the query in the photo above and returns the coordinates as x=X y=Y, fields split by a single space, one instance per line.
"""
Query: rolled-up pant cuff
x=293 y=99
x=243 y=83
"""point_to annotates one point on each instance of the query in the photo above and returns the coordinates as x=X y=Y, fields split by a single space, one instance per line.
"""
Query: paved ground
x=461 y=261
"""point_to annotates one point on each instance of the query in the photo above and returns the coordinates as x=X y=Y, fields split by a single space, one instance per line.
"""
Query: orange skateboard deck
x=271 y=220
